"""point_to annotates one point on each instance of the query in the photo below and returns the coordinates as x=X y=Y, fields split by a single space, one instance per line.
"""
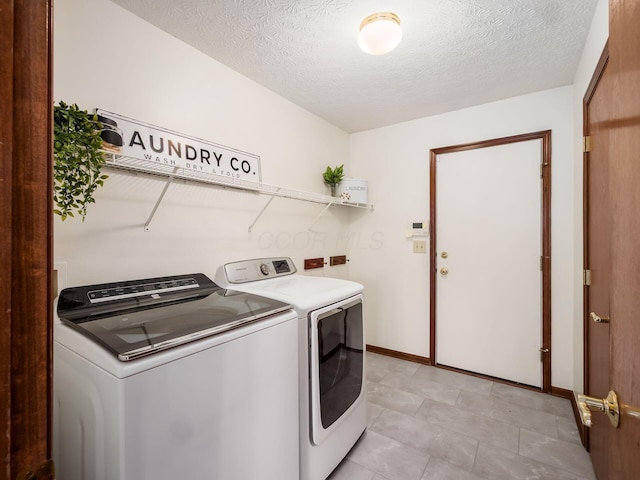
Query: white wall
x=395 y=160
x=596 y=40
x=106 y=57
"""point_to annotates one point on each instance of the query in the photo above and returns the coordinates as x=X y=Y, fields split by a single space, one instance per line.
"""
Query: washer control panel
x=252 y=270
x=80 y=304
x=130 y=289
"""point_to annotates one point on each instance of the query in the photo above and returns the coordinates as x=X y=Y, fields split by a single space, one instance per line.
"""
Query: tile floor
x=426 y=423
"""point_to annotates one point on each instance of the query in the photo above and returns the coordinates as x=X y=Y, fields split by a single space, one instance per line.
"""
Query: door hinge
x=542 y=165
x=586 y=277
x=45 y=471
x=586 y=143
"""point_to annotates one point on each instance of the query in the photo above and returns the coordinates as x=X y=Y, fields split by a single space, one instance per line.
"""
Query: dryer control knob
x=264 y=268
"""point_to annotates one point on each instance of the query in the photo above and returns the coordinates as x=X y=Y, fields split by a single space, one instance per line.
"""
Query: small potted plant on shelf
x=78 y=159
x=332 y=177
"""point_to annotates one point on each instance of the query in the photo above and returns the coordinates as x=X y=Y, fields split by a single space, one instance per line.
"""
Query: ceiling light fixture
x=380 y=33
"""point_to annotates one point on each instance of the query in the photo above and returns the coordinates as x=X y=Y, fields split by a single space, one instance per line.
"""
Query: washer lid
x=136 y=318
x=305 y=293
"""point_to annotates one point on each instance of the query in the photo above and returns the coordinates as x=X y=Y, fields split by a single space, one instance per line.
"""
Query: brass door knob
x=542 y=352
x=444 y=272
x=609 y=406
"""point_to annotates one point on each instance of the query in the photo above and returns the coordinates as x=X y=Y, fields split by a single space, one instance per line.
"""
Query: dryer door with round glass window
x=336 y=364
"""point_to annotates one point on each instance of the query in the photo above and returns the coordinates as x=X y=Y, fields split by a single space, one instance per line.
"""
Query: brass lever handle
x=598 y=319
x=608 y=405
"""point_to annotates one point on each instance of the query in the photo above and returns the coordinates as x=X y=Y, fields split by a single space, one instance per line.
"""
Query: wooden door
x=597 y=262
x=489 y=254
x=624 y=180
x=26 y=191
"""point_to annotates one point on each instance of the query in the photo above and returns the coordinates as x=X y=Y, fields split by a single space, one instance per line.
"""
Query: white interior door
x=489 y=295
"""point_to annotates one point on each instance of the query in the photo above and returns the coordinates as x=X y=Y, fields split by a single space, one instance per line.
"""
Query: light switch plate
x=419 y=246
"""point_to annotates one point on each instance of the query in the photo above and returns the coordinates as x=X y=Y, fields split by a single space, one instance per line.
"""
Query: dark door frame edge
x=591 y=88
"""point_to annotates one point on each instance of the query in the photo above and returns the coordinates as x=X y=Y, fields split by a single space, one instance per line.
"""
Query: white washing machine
x=333 y=411
x=174 y=377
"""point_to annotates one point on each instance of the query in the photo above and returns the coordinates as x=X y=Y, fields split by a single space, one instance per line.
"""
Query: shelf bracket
x=321 y=213
x=155 y=207
x=262 y=211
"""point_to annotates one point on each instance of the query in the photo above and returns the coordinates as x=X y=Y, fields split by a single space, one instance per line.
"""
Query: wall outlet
x=419 y=246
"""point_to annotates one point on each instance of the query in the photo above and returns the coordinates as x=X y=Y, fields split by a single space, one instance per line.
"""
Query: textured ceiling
x=454 y=53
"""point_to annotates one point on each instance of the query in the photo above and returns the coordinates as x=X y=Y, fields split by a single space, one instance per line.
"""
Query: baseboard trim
x=562 y=392
x=401 y=355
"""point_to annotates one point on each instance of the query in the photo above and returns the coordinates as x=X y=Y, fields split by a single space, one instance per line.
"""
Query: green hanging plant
x=77 y=159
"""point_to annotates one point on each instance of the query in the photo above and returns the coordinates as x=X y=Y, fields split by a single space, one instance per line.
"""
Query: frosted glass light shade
x=380 y=33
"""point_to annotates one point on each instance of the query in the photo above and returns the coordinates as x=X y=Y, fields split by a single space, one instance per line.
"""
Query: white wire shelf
x=171 y=172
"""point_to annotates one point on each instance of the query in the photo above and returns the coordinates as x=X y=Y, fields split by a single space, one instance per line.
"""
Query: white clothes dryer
x=174 y=377
x=331 y=342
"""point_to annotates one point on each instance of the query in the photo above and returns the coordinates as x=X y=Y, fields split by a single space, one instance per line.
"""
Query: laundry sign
x=132 y=138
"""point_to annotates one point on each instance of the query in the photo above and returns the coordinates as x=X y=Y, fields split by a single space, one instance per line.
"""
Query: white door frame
x=545 y=172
